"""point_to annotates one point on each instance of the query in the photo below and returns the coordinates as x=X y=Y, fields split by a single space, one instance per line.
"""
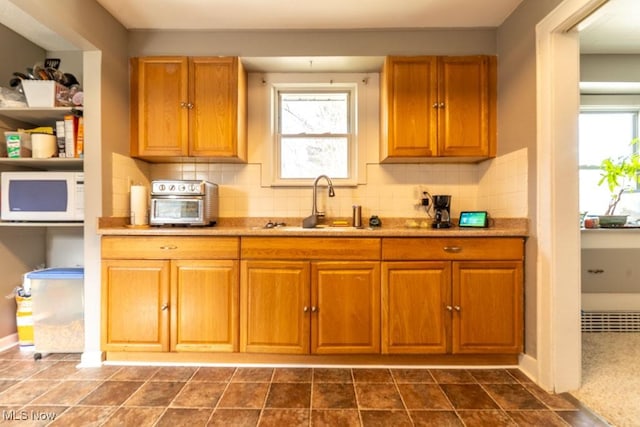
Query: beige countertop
x=391 y=227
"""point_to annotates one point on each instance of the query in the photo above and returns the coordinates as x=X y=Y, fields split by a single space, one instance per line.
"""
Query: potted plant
x=618 y=174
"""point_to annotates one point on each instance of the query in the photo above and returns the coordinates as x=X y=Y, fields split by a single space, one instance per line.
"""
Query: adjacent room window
x=314 y=133
x=602 y=134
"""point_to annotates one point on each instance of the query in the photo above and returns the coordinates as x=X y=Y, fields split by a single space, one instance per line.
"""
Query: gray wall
x=103 y=41
x=313 y=43
x=19 y=249
x=16 y=53
x=517 y=123
x=609 y=68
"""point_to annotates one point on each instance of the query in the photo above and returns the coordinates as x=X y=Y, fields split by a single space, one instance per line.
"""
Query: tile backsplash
x=392 y=190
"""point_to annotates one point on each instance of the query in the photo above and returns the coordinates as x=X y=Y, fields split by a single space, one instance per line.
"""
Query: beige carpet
x=611 y=376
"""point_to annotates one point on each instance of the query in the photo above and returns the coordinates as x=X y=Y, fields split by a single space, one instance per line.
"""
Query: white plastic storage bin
x=58 y=310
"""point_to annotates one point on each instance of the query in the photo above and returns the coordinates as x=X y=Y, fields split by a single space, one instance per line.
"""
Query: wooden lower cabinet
x=134 y=294
x=163 y=301
x=182 y=305
x=451 y=306
x=414 y=317
x=204 y=298
x=274 y=307
x=302 y=307
x=487 y=307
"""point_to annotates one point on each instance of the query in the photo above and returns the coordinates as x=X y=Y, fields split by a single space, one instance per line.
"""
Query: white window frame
x=365 y=127
x=595 y=104
x=319 y=88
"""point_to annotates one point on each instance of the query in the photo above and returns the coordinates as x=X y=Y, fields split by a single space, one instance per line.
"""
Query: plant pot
x=610 y=221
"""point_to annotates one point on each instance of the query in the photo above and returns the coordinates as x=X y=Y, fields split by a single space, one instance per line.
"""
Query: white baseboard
x=610 y=302
x=8 y=341
x=529 y=366
x=91 y=359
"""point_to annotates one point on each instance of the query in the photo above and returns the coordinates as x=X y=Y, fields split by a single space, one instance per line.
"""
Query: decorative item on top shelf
x=619 y=174
x=47 y=86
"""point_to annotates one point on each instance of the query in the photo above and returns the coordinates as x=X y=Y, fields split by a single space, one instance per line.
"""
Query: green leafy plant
x=618 y=174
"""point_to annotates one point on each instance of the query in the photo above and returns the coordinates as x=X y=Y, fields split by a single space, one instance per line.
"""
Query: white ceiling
x=308 y=14
x=615 y=28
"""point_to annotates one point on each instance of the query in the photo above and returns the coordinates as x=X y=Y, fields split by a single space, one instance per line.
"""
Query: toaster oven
x=183 y=202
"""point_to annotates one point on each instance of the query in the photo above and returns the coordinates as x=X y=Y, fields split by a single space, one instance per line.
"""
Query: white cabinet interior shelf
x=40 y=224
x=37 y=115
x=54 y=163
x=41 y=117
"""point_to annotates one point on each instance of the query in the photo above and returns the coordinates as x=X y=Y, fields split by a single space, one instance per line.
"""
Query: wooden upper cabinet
x=159 y=119
x=437 y=108
x=188 y=107
x=409 y=121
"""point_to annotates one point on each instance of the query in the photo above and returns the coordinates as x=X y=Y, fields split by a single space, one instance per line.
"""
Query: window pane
x=310 y=157
x=604 y=135
x=601 y=135
x=314 y=113
x=594 y=198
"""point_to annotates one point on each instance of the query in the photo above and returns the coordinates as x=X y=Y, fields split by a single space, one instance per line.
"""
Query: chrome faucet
x=312 y=221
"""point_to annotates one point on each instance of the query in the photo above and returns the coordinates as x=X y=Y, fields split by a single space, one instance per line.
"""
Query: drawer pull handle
x=453 y=249
x=168 y=247
x=596 y=271
x=164 y=307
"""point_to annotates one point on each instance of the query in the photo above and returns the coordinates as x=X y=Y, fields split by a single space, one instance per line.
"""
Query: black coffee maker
x=442 y=209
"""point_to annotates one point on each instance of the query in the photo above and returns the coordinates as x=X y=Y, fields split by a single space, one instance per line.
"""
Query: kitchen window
x=314 y=133
x=603 y=133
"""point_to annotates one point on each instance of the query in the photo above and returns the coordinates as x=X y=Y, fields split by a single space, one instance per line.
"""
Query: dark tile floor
x=52 y=391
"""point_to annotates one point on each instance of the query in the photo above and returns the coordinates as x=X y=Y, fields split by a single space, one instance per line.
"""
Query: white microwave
x=42 y=196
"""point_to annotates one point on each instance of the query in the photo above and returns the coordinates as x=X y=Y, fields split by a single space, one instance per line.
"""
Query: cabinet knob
x=305 y=309
x=164 y=307
x=189 y=105
x=184 y=105
x=441 y=105
x=314 y=309
x=448 y=307
x=452 y=249
x=456 y=307
x=435 y=105
x=595 y=271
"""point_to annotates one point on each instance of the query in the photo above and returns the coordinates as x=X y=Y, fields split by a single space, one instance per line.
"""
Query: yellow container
x=24 y=320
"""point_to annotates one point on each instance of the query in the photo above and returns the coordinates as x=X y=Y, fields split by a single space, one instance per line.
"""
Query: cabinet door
x=466 y=117
x=159 y=111
x=135 y=305
x=487 y=301
x=204 y=305
x=274 y=301
x=415 y=297
x=408 y=116
x=345 y=302
x=217 y=120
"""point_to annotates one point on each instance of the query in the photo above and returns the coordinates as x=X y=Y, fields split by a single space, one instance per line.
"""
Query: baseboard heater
x=610 y=321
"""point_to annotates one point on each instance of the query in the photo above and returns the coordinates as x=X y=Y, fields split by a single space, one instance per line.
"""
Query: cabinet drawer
x=170 y=247
x=451 y=248
x=310 y=248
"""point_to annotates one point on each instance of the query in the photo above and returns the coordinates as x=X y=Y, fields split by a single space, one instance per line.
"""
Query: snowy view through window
x=314 y=131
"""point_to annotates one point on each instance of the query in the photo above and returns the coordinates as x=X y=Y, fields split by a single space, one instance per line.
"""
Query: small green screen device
x=473 y=219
